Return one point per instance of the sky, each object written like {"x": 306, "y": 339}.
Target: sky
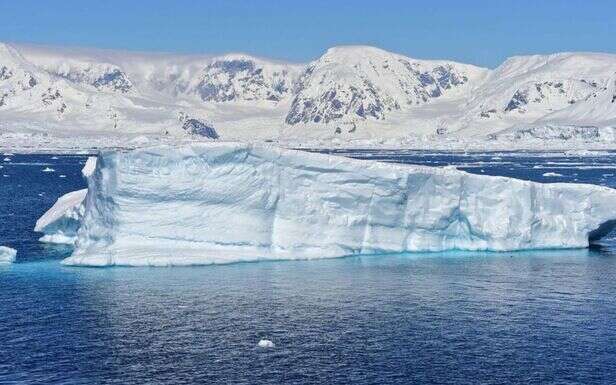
{"x": 477, "y": 32}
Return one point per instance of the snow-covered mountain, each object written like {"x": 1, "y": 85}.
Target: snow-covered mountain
{"x": 353, "y": 83}
{"x": 349, "y": 93}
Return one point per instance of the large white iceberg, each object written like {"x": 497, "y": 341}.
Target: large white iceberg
{"x": 7, "y": 255}
{"x": 229, "y": 202}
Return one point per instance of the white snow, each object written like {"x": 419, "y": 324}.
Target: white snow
{"x": 265, "y": 344}
{"x": 352, "y": 96}
{"x": 7, "y": 255}
{"x": 230, "y": 202}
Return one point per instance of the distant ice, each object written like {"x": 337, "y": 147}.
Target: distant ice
{"x": 7, "y": 255}
{"x": 554, "y": 174}
{"x": 48, "y": 169}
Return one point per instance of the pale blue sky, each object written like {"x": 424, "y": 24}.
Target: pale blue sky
{"x": 478, "y": 32}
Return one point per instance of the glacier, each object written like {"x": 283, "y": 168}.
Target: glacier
{"x": 214, "y": 203}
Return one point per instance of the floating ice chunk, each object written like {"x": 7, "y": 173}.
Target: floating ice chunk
{"x": 48, "y": 169}
{"x": 554, "y": 174}
{"x": 228, "y": 202}
{"x": 61, "y": 222}
{"x": 7, "y": 159}
{"x": 89, "y": 167}
{"x": 7, "y": 255}
{"x": 266, "y": 344}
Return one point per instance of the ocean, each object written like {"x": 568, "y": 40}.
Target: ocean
{"x": 544, "y": 317}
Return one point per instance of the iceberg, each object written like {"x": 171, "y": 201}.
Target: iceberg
{"x": 212, "y": 203}
{"x": 7, "y": 255}
{"x": 61, "y": 222}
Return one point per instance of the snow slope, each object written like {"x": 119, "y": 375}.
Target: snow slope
{"x": 223, "y": 202}
{"x": 349, "y": 94}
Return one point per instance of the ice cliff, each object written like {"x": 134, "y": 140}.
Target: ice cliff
{"x": 226, "y": 202}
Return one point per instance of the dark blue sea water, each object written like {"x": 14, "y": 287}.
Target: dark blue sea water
{"x": 546, "y": 317}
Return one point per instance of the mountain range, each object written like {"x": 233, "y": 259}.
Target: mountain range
{"x": 350, "y": 92}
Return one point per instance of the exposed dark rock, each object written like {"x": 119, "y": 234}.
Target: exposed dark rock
{"x": 115, "y": 80}
{"x": 197, "y": 127}
{"x": 240, "y": 79}
{"x": 5, "y": 73}
{"x": 518, "y": 100}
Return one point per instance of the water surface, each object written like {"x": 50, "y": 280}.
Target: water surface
{"x": 450, "y": 318}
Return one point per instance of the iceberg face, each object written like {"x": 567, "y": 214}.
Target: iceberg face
{"x": 225, "y": 202}
{"x": 7, "y": 255}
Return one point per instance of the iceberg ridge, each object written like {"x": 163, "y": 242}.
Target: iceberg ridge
{"x": 229, "y": 202}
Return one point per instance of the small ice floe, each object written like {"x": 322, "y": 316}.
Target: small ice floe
{"x": 62, "y": 176}
{"x": 266, "y": 344}
{"x": 48, "y": 169}
{"x": 552, "y": 174}
{"x": 54, "y": 157}
{"x": 7, "y": 159}
{"x": 7, "y": 255}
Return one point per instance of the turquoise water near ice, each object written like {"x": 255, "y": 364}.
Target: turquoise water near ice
{"x": 448, "y": 318}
